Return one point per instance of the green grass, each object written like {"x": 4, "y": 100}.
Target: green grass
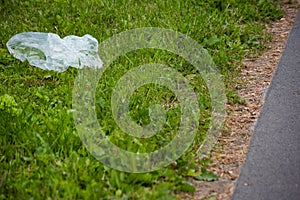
{"x": 41, "y": 154}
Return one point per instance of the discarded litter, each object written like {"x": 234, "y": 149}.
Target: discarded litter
{"x": 49, "y": 52}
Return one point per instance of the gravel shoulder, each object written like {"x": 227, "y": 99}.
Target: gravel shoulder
{"x": 271, "y": 170}
{"x": 230, "y": 152}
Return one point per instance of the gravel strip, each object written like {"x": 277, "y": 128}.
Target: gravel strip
{"x": 230, "y": 152}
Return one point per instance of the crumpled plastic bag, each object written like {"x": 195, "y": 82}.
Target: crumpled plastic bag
{"x": 49, "y": 52}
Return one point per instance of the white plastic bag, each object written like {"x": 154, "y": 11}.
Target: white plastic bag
{"x": 49, "y": 51}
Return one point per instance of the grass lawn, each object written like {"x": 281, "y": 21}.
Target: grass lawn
{"x": 41, "y": 154}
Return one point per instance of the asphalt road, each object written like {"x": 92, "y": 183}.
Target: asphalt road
{"x": 272, "y": 167}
